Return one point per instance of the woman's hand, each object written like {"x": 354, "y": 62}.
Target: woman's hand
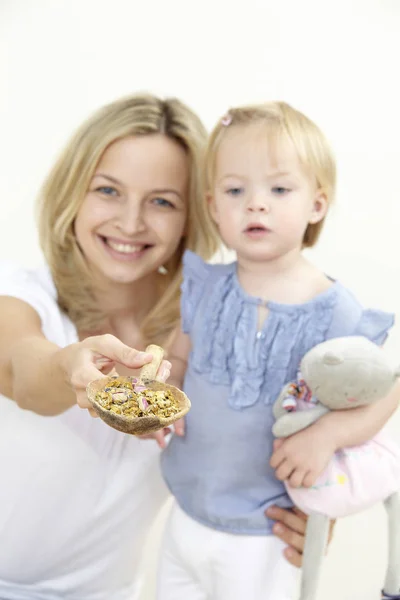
{"x": 161, "y": 434}
{"x": 290, "y": 527}
{"x": 95, "y": 357}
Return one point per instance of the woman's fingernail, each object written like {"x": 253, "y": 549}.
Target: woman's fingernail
{"x": 164, "y": 373}
{"x": 144, "y": 355}
{"x": 270, "y": 511}
{"x": 278, "y": 528}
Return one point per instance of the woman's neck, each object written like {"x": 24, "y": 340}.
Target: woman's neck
{"x": 125, "y": 307}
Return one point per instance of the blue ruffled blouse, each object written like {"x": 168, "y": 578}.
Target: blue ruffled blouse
{"x": 219, "y": 472}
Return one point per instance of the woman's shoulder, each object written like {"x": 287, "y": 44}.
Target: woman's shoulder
{"x": 26, "y": 281}
{"x": 35, "y": 286}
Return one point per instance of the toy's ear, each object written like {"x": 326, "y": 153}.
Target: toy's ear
{"x": 332, "y": 358}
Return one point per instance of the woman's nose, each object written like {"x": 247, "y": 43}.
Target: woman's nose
{"x": 131, "y": 219}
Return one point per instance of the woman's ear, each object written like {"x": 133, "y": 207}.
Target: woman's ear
{"x": 320, "y": 207}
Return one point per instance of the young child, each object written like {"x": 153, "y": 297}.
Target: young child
{"x": 245, "y": 328}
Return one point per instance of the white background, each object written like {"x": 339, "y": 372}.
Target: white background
{"x": 337, "y": 60}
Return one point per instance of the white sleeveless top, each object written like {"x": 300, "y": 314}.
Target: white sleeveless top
{"x": 77, "y": 498}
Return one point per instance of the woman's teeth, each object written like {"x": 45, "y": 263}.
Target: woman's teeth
{"x": 125, "y": 248}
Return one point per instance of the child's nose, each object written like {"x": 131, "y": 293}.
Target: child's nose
{"x": 258, "y": 203}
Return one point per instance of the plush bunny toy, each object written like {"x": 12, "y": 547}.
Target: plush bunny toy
{"x": 343, "y": 373}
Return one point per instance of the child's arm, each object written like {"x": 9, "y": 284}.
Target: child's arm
{"x": 302, "y": 457}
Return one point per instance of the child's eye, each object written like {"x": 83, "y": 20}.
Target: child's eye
{"x": 235, "y": 191}
{"x": 163, "y": 203}
{"x": 280, "y": 191}
{"x": 107, "y": 190}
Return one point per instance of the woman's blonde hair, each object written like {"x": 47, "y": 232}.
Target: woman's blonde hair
{"x": 64, "y": 190}
{"x": 282, "y": 121}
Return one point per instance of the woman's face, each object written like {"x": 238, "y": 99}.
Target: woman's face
{"x": 134, "y": 213}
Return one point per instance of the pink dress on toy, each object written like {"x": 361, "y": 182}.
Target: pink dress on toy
{"x": 356, "y": 478}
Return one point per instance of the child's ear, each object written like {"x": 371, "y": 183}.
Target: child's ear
{"x": 320, "y": 207}
{"x": 213, "y": 209}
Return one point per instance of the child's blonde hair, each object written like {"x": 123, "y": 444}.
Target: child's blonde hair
{"x": 64, "y": 190}
{"x": 282, "y": 121}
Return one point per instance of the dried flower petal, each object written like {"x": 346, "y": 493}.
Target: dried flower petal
{"x": 144, "y": 405}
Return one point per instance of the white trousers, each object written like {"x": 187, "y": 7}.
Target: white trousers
{"x": 200, "y": 563}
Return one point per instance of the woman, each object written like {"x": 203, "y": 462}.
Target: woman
{"x": 118, "y": 209}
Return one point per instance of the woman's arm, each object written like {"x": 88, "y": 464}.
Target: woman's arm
{"x": 29, "y": 370}
{"x": 41, "y": 377}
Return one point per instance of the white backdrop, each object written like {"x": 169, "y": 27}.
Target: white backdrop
{"x": 336, "y": 60}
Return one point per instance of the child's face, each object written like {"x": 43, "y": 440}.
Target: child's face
{"x": 134, "y": 213}
{"x": 262, "y": 200}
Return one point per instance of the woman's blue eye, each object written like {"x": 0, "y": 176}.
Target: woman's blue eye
{"x": 234, "y": 191}
{"x": 107, "y": 190}
{"x": 163, "y": 202}
{"x": 280, "y": 190}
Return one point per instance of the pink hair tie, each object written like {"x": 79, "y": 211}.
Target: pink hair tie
{"x": 226, "y": 120}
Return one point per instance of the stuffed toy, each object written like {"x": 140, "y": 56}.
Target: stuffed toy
{"x": 343, "y": 374}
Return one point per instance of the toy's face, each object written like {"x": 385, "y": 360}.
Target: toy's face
{"x": 347, "y": 372}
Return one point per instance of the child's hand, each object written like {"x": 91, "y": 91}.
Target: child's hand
{"x": 159, "y": 436}
{"x": 301, "y": 458}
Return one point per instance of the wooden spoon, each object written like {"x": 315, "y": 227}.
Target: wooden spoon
{"x": 146, "y": 423}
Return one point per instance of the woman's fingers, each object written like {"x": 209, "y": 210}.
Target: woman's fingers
{"x": 290, "y": 527}
{"x": 293, "y": 519}
{"x": 159, "y": 436}
{"x": 331, "y": 530}
{"x": 112, "y": 348}
{"x": 294, "y": 557}
{"x": 179, "y": 427}
{"x": 164, "y": 371}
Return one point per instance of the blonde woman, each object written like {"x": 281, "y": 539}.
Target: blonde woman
{"x": 117, "y": 211}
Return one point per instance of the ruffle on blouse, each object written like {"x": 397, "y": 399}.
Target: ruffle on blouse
{"x": 375, "y": 325}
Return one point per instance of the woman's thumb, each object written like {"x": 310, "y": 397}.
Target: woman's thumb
{"x": 112, "y": 348}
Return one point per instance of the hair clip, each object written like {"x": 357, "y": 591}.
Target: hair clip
{"x": 226, "y": 119}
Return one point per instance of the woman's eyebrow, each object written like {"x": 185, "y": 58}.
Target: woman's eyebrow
{"x": 166, "y": 191}
{"x": 113, "y": 179}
